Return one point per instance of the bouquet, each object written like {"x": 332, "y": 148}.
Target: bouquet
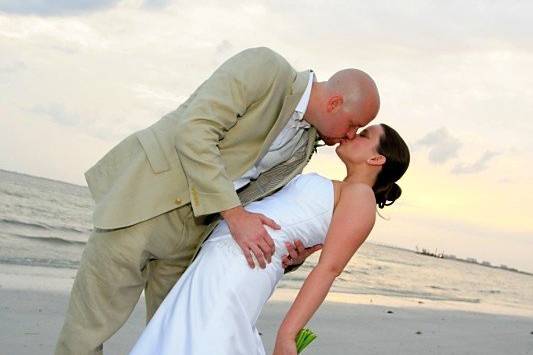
{"x": 304, "y": 338}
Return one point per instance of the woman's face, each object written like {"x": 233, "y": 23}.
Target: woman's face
{"x": 362, "y": 147}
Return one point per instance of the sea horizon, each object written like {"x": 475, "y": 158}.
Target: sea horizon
{"x": 509, "y": 268}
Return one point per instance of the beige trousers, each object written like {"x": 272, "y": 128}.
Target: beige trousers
{"x": 116, "y": 266}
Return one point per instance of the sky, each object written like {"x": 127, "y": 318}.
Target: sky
{"x": 455, "y": 79}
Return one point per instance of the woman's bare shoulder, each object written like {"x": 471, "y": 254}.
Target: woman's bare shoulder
{"x": 359, "y": 191}
{"x": 358, "y": 199}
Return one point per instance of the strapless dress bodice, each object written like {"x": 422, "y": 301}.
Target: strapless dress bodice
{"x": 303, "y": 209}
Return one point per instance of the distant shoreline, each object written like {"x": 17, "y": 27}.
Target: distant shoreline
{"x": 426, "y": 252}
{"x": 453, "y": 257}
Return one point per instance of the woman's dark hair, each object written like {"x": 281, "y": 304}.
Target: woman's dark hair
{"x": 396, "y": 152}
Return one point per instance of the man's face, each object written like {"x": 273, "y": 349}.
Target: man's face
{"x": 337, "y": 125}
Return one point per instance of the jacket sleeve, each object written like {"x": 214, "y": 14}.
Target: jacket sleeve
{"x": 213, "y": 109}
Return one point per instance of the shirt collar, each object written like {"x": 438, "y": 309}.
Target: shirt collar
{"x": 304, "y": 101}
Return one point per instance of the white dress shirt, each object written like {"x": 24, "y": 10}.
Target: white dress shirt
{"x": 285, "y": 143}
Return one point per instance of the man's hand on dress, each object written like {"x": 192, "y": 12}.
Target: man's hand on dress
{"x": 248, "y": 231}
{"x": 297, "y": 253}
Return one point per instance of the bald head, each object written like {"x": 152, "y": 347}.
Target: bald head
{"x": 340, "y": 106}
{"x": 359, "y": 91}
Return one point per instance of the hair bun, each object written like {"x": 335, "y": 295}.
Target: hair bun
{"x": 387, "y": 196}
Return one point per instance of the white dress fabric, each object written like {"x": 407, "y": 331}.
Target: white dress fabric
{"x": 214, "y": 306}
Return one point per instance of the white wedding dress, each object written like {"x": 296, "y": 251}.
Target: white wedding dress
{"x": 213, "y": 308}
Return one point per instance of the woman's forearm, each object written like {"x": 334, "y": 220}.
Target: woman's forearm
{"x": 310, "y": 297}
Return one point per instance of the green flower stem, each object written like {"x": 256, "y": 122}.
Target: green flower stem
{"x": 303, "y": 339}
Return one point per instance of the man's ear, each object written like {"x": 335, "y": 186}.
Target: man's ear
{"x": 334, "y": 103}
{"x": 377, "y": 160}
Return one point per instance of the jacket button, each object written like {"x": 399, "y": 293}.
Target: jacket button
{"x": 178, "y": 201}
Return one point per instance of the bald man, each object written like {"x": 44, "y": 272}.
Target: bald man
{"x": 243, "y": 134}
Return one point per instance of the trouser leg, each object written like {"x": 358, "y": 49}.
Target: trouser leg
{"x": 163, "y": 273}
{"x": 106, "y": 289}
{"x": 113, "y": 273}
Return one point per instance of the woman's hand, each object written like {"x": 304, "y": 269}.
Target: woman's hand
{"x": 297, "y": 253}
{"x": 285, "y": 345}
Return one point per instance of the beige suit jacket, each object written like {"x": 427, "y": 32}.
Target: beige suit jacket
{"x": 193, "y": 154}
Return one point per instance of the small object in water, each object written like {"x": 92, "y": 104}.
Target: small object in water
{"x": 419, "y": 332}
{"x": 390, "y": 312}
{"x": 420, "y": 302}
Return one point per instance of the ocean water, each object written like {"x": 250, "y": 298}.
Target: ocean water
{"x": 46, "y": 223}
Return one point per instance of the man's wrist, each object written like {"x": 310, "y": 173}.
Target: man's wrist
{"x": 229, "y": 214}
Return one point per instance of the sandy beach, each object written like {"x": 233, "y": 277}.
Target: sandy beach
{"x": 33, "y": 302}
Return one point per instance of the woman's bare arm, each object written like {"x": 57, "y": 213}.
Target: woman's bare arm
{"x": 351, "y": 223}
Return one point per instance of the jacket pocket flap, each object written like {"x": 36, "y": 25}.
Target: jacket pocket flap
{"x": 153, "y": 150}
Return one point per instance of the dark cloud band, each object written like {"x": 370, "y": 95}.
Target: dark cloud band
{"x": 54, "y": 7}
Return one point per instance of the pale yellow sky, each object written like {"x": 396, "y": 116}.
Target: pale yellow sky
{"x": 455, "y": 79}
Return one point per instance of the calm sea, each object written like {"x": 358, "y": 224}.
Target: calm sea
{"x": 46, "y": 223}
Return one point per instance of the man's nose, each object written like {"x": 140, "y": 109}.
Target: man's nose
{"x": 351, "y": 134}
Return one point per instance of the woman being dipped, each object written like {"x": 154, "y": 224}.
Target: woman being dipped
{"x": 375, "y": 159}
{"x": 214, "y": 307}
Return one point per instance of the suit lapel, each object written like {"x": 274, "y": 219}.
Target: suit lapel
{"x": 289, "y": 105}
{"x": 255, "y": 189}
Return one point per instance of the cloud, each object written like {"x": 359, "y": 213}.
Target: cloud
{"x": 505, "y": 181}
{"x": 101, "y": 129}
{"x": 155, "y": 94}
{"x": 442, "y": 145}
{"x": 156, "y": 4}
{"x": 223, "y": 51}
{"x": 12, "y": 67}
{"x": 57, "y": 113}
{"x": 477, "y": 166}
{"x": 68, "y": 7}
{"x": 54, "y": 7}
